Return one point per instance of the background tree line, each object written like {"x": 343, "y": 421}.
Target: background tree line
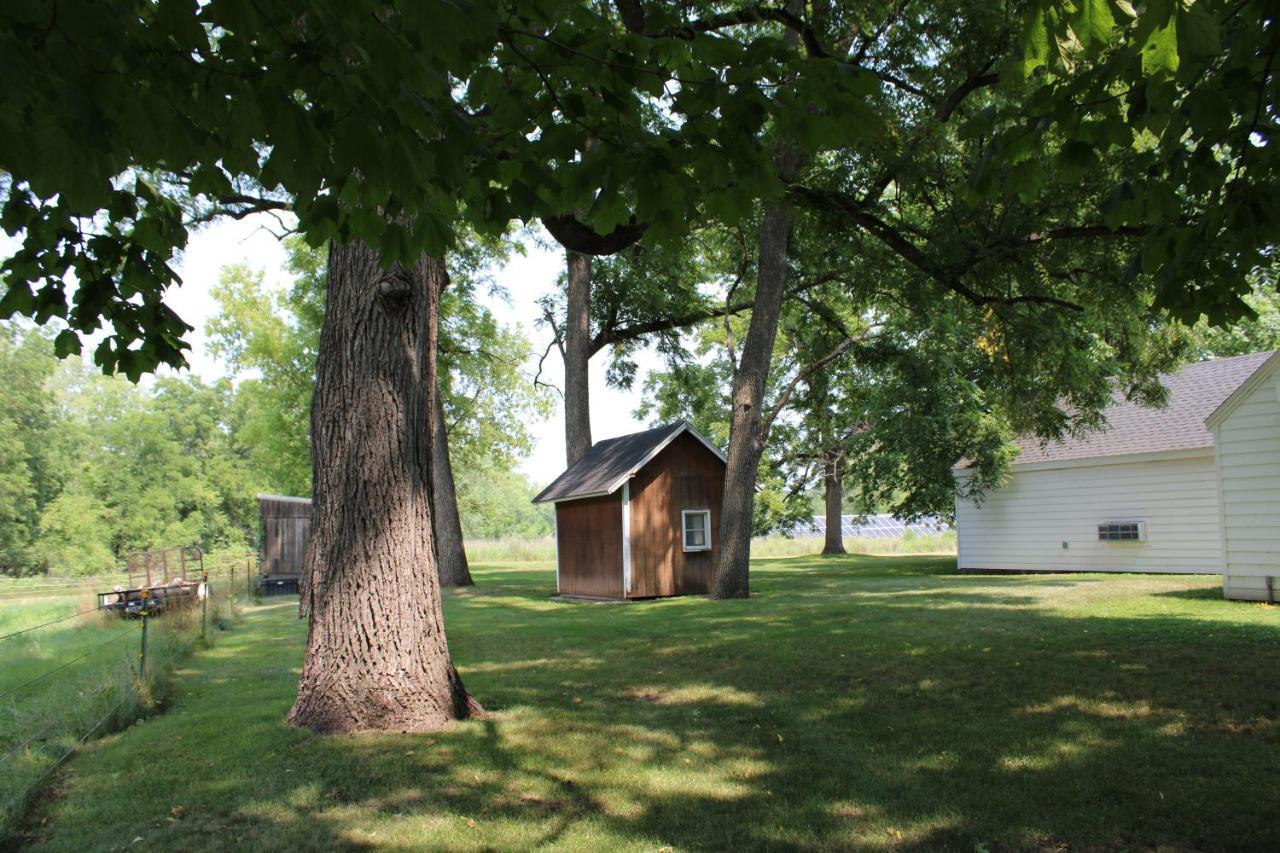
{"x": 94, "y": 466}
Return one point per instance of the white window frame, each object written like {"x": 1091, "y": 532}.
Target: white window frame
{"x": 684, "y": 529}
{"x": 1140, "y": 523}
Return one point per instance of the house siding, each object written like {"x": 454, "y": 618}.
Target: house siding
{"x": 1248, "y": 442}
{"x": 1021, "y": 527}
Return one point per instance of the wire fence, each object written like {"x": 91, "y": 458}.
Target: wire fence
{"x": 73, "y": 675}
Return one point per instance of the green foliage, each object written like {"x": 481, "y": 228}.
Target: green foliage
{"x": 385, "y": 122}
{"x": 1252, "y": 334}
{"x": 271, "y": 343}
{"x": 494, "y": 503}
{"x": 76, "y": 536}
{"x": 27, "y": 418}
{"x": 1186, "y": 92}
{"x": 94, "y": 467}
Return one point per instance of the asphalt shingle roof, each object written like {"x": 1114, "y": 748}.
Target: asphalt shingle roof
{"x": 1195, "y": 392}
{"x": 606, "y": 463}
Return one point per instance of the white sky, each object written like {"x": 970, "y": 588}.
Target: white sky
{"x": 524, "y": 278}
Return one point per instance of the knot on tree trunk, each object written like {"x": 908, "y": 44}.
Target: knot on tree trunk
{"x": 396, "y": 284}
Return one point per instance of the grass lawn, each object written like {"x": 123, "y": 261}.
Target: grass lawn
{"x": 861, "y": 702}
{"x": 69, "y": 671}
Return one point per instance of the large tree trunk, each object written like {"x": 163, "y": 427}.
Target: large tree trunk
{"x": 377, "y": 658}
{"x": 577, "y": 355}
{"x": 746, "y": 433}
{"x": 834, "y": 486}
{"x": 451, "y": 552}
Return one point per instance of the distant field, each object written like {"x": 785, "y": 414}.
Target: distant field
{"x": 853, "y": 703}
{"x": 534, "y": 550}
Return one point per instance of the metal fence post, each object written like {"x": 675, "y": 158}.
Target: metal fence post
{"x": 142, "y": 663}
{"x": 204, "y": 605}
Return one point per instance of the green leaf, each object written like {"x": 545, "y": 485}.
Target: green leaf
{"x": 1198, "y": 37}
{"x": 66, "y": 343}
{"x": 1093, "y": 24}
{"x": 1160, "y": 45}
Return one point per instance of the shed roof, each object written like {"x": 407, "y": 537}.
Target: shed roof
{"x": 1195, "y": 392}
{"x": 609, "y": 463}
{"x": 283, "y": 506}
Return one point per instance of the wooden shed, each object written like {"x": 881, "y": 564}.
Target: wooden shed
{"x": 639, "y": 516}
{"x": 286, "y": 525}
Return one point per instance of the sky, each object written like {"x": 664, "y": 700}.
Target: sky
{"x": 525, "y": 278}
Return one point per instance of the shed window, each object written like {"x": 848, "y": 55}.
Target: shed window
{"x": 697, "y": 529}
{"x": 1122, "y": 531}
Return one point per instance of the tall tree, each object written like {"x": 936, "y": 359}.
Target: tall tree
{"x": 372, "y": 531}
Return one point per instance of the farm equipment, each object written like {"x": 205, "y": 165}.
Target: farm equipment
{"x": 153, "y": 599}
{"x": 157, "y": 582}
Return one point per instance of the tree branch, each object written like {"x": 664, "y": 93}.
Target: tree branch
{"x": 576, "y": 237}
{"x": 787, "y": 393}
{"x": 854, "y": 211}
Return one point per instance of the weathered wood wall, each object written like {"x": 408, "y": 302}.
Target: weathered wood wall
{"x": 685, "y": 475}
{"x": 286, "y": 524}
{"x": 589, "y": 543}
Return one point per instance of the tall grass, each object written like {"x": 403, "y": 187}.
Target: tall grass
{"x": 73, "y": 673}
{"x": 766, "y": 547}
{"x": 512, "y": 550}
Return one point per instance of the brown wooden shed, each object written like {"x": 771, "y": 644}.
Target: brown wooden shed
{"x": 639, "y": 516}
{"x": 286, "y": 525}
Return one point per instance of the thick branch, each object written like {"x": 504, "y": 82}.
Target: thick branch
{"x": 576, "y": 237}
{"x": 605, "y": 337}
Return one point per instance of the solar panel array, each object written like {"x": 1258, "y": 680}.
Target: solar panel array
{"x": 874, "y": 526}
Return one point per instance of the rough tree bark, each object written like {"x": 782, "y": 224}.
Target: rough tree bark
{"x": 451, "y": 551}
{"x": 833, "y": 481}
{"x": 577, "y": 356}
{"x": 746, "y": 434}
{"x": 377, "y": 657}
{"x": 746, "y": 424}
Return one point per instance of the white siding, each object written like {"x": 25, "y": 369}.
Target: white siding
{"x": 1022, "y": 526}
{"x": 1248, "y": 442}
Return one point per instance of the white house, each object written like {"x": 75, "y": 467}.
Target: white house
{"x": 1246, "y": 434}
{"x": 1143, "y": 494}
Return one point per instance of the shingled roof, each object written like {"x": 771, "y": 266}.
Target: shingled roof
{"x": 609, "y": 463}
{"x": 1195, "y": 392}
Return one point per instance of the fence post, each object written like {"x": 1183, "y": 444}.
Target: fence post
{"x": 142, "y": 663}
{"x": 248, "y": 576}
{"x": 231, "y": 584}
{"x": 204, "y": 604}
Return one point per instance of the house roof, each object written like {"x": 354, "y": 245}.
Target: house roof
{"x": 1267, "y": 368}
{"x": 610, "y": 463}
{"x": 1195, "y": 392}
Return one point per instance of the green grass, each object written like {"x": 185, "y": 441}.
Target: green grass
{"x": 71, "y": 671}
{"x": 854, "y": 703}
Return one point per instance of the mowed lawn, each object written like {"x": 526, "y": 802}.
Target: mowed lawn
{"x": 862, "y": 702}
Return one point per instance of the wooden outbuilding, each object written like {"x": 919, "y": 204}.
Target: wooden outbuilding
{"x": 286, "y": 525}
{"x": 638, "y": 516}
